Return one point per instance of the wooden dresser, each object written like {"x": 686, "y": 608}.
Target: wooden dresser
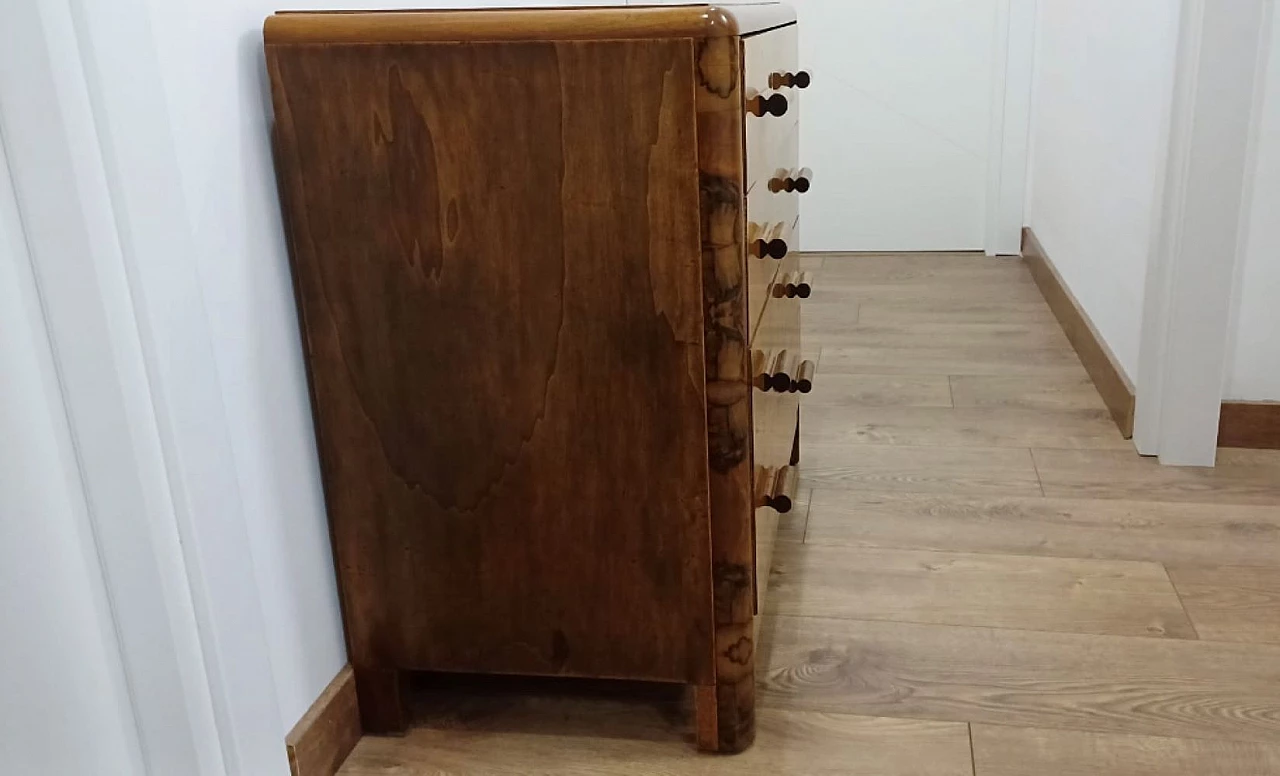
{"x": 552, "y": 322}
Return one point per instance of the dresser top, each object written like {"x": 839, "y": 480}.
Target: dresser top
{"x": 696, "y": 20}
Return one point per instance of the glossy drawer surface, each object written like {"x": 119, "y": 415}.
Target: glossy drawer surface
{"x": 772, "y": 150}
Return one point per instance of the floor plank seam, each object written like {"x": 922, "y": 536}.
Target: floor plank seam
{"x": 1191, "y": 620}
{"x": 1000, "y": 554}
{"x": 998, "y": 628}
{"x": 1034, "y": 465}
{"x": 973, "y": 754}
{"x": 1260, "y": 647}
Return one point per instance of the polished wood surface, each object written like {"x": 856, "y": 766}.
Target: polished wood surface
{"x": 727, "y": 341}
{"x": 1037, "y": 699}
{"x": 1253, "y": 425}
{"x": 320, "y": 741}
{"x": 485, "y": 555}
{"x": 586, "y": 23}
{"x": 1109, "y": 377}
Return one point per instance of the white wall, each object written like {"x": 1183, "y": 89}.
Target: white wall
{"x": 220, "y": 137}
{"x": 897, "y": 123}
{"x": 1101, "y": 99}
{"x": 64, "y": 705}
{"x": 1255, "y": 375}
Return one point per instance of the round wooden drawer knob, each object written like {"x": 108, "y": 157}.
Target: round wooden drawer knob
{"x": 773, "y": 105}
{"x": 798, "y": 181}
{"x": 799, "y": 79}
{"x": 773, "y": 249}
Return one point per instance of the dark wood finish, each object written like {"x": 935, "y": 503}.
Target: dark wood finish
{"x": 402, "y": 251}
{"x": 327, "y": 733}
{"x": 559, "y": 24}
{"x": 803, "y": 286}
{"x": 1098, "y": 360}
{"x": 786, "y": 483}
{"x": 718, "y": 92}
{"x": 764, "y": 241}
{"x": 552, "y": 203}
{"x": 768, "y": 105}
{"x": 804, "y": 376}
{"x": 382, "y": 693}
{"x": 799, "y": 80}
{"x": 1254, "y": 425}
{"x": 798, "y": 181}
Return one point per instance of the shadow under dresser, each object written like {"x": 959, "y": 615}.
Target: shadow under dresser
{"x": 551, "y": 318}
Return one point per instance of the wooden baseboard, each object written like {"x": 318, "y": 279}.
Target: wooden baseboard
{"x": 1250, "y": 424}
{"x": 1098, "y": 360}
{"x": 329, "y": 730}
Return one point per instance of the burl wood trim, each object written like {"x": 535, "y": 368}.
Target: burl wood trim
{"x": 1098, "y": 360}
{"x": 327, "y": 733}
{"x": 500, "y": 25}
{"x": 1253, "y": 425}
{"x": 728, "y": 375}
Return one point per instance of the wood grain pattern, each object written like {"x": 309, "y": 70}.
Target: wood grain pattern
{"x": 866, "y": 390}
{"x": 1109, "y": 377}
{"x": 1009, "y": 751}
{"x": 973, "y": 306}
{"x": 726, "y": 338}
{"x": 1058, "y": 527}
{"x": 1242, "y": 477}
{"x": 1253, "y": 425}
{"x": 320, "y": 741}
{"x": 970, "y": 471}
{"x": 944, "y": 359}
{"x": 1119, "y": 598}
{"x": 604, "y": 735}
{"x": 405, "y": 196}
{"x": 1023, "y": 392}
{"x": 1160, "y": 687}
{"x": 563, "y": 24}
{"x": 1231, "y": 603}
{"x": 967, "y": 427}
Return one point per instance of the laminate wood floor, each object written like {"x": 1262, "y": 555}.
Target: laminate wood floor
{"x": 980, "y": 578}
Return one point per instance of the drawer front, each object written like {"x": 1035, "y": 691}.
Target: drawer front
{"x": 773, "y": 145}
{"x": 772, "y": 151}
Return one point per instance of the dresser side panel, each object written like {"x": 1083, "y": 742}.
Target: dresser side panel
{"x": 496, "y": 247}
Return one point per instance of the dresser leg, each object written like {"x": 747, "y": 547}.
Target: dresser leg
{"x": 735, "y": 717}
{"x": 383, "y": 700}
{"x": 705, "y": 717}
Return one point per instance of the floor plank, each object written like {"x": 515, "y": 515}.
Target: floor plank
{"x": 940, "y": 358}
{"x": 1229, "y": 603}
{"x": 1242, "y": 477}
{"x": 966, "y": 427}
{"x": 1162, "y": 687}
{"x": 1123, "y": 598}
{"x": 1023, "y": 392}
{"x": 1009, "y": 751}
{"x": 1162, "y": 532}
{"x": 824, "y": 311}
{"x": 969, "y": 309}
{"x": 563, "y": 736}
{"x": 860, "y": 391}
{"x": 972, "y": 471}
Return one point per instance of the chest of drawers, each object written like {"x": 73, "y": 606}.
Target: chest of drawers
{"x": 552, "y": 325}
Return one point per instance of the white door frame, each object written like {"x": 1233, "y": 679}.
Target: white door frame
{"x": 81, "y": 103}
{"x": 1201, "y": 228}
{"x": 1007, "y": 150}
